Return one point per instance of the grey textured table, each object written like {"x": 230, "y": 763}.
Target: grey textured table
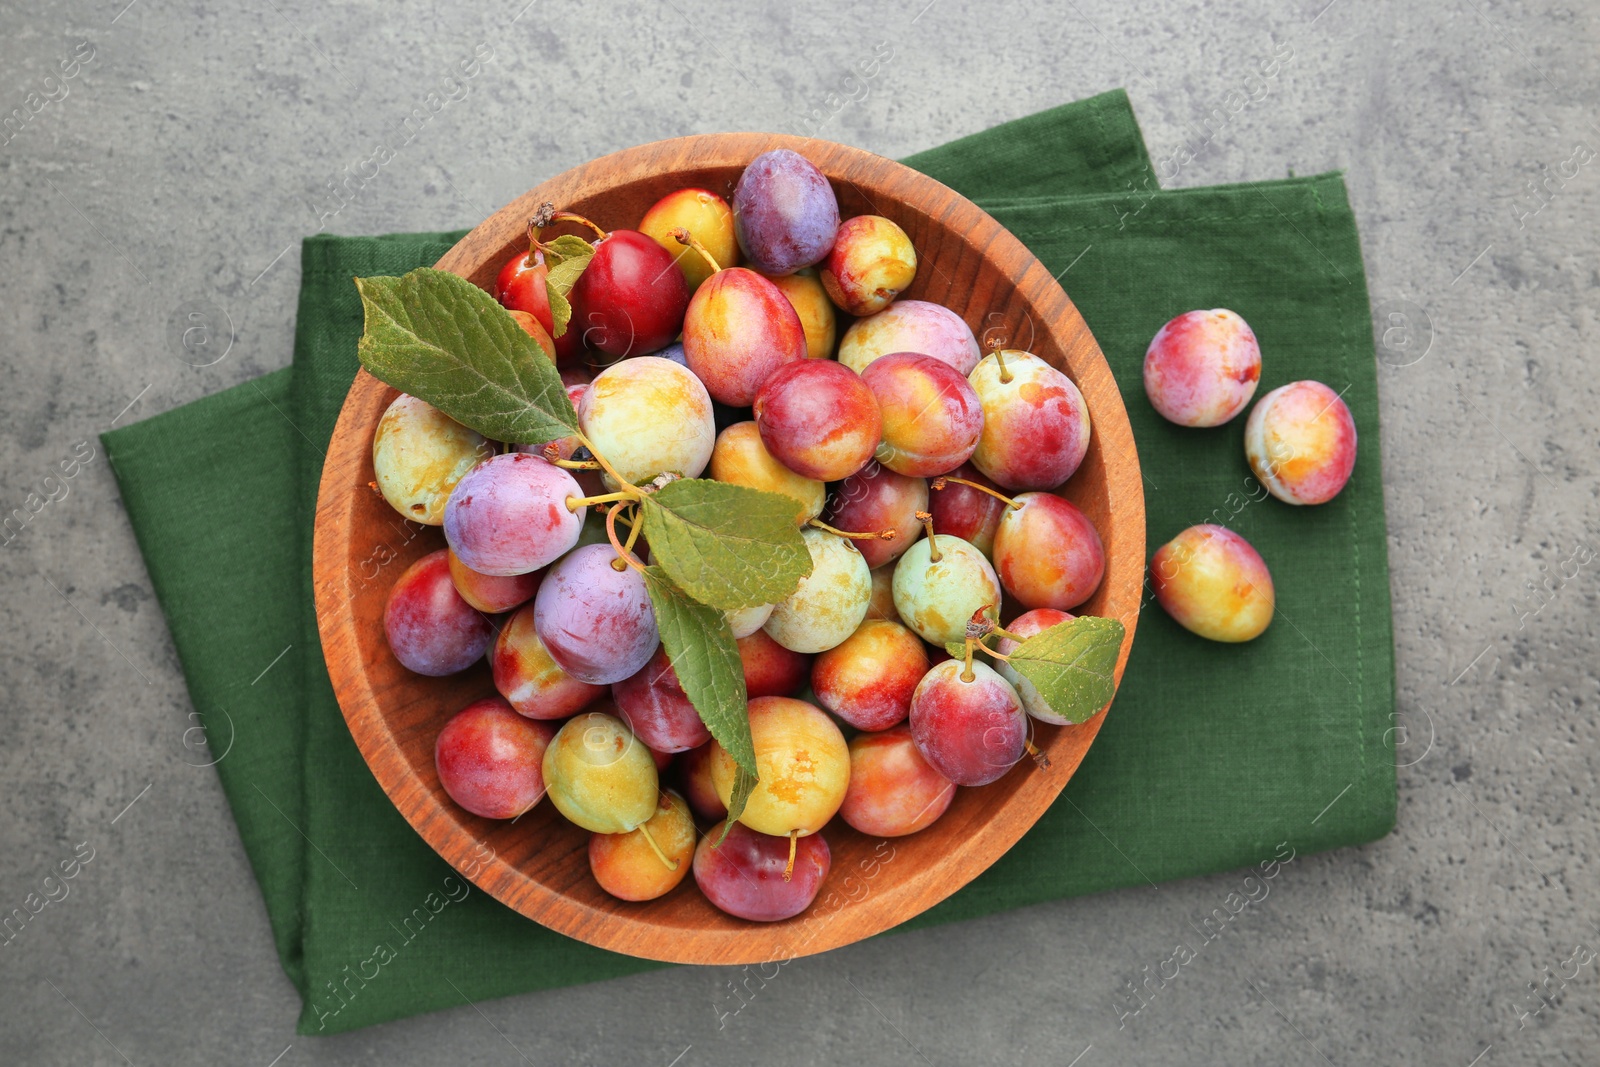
{"x": 174, "y": 173}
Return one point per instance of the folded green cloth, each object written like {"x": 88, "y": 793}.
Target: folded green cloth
{"x": 1212, "y": 756}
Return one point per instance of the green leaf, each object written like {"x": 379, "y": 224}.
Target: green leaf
{"x": 560, "y": 311}
{"x": 725, "y": 545}
{"x": 1072, "y": 665}
{"x": 957, "y": 649}
{"x": 440, "y": 338}
{"x": 567, "y": 246}
{"x": 705, "y": 657}
{"x": 558, "y": 283}
{"x": 564, "y": 275}
{"x": 744, "y": 783}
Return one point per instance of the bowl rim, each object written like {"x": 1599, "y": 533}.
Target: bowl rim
{"x": 477, "y": 256}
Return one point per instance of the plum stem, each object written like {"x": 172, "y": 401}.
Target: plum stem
{"x": 942, "y": 482}
{"x": 552, "y": 456}
{"x": 536, "y": 222}
{"x": 1003, "y": 632}
{"x": 1039, "y": 758}
{"x": 624, "y": 557}
{"x": 576, "y": 502}
{"x": 1005, "y": 374}
{"x": 684, "y": 237}
{"x": 967, "y": 674}
{"x": 672, "y": 865}
{"x": 794, "y": 845}
{"x": 980, "y": 625}
{"x": 926, "y": 518}
{"x": 572, "y": 216}
{"x": 634, "y": 526}
{"x": 870, "y": 535}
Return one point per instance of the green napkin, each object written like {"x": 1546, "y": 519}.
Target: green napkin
{"x": 1213, "y": 757}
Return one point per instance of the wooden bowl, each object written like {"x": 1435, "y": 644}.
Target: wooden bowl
{"x": 970, "y": 264}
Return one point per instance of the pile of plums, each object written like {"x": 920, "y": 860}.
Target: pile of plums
{"x": 758, "y": 343}
{"x": 1200, "y": 371}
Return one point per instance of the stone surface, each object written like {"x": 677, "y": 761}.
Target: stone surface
{"x": 191, "y": 154}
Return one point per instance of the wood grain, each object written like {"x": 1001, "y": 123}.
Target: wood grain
{"x": 968, "y": 263}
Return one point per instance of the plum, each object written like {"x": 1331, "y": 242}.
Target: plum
{"x": 1213, "y": 583}
{"x": 968, "y": 513}
{"x": 493, "y": 593}
{"x": 430, "y": 629}
{"x": 1202, "y": 368}
{"x": 651, "y": 859}
{"x": 932, "y": 417}
{"x": 770, "y": 670}
{"x": 533, "y": 683}
{"x": 596, "y": 621}
{"x": 803, "y": 764}
{"x": 521, "y": 288}
{"x": 876, "y": 499}
{"x": 868, "y": 679}
{"x": 893, "y": 790}
{"x": 653, "y": 704}
{"x": 818, "y": 418}
{"x": 1047, "y": 553}
{"x": 750, "y": 876}
{"x": 911, "y": 326}
{"x": 1301, "y": 442}
{"x": 1026, "y": 625}
{"x": 882, "y": 604}
{"x": 599, "y": 776}
{"x": 694, "y": 773}
{"x": 708, "y": 219}
{"x": 739, "y": 329}
{"x": 419, "y": 454}
{"x": 1035, "y": 422}
{"x": 567, "y": 446}
{"x": 630, "y": 299}
{"x": 745, "y": 621}
{"x": 784, "y": 212}
{"x": 649, "y": 416}
{"x": 535, "y": 329}
{"x": 870, "y": 264}
{"x": 510, "y": 515}
{"x": 968, "y": 723}
{"x": 675, "y": 353}
{"x": 939, "y": 583}
{"x": 490, "y": 760}
{"x": 828, "y": 605}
